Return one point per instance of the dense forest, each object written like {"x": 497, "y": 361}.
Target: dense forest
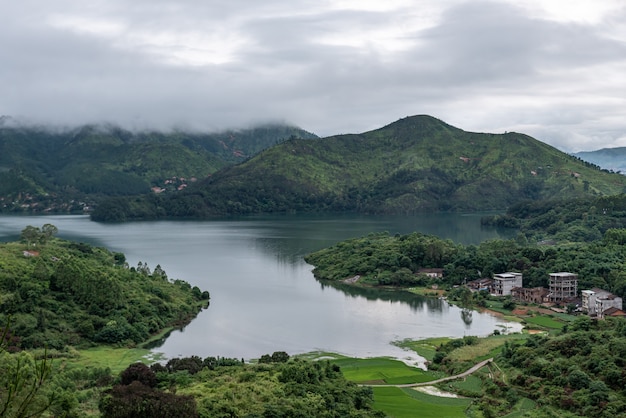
{"x": 413, "y": 165}
{"x": 43, "y": 169}
{"x": 583, "y": 219}
{"x": 57, "y": 293}
{"x": 583, "y": 236}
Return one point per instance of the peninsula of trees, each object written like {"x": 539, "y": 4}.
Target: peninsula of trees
{"x": 57, "y": 293}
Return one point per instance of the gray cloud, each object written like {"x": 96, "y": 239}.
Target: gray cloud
{"x": 484, "y": 66}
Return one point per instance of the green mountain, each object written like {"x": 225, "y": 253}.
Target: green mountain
{"x": 608, "y": 158}
{"x": 415, "y": 164}
{"x": 46, "y": 170}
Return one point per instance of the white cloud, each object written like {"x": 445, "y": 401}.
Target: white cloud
{"x": 552, "y": 69}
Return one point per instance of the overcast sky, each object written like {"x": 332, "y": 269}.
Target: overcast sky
{"x": 554, "y": 69}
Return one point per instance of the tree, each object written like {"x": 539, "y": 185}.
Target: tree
{"x": 23, "y": 383}
{"x": 47, "y": 232}
{"x": 30, "y": 234}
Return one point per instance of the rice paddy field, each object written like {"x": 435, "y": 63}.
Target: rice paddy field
{"x": 410, "y": 403}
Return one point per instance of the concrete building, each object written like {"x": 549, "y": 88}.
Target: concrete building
{"x": 529, "y": 295}
{"x": 588, "y": 300}
{"x": 503, "y": 283}
{"x": 604, "y": 303}
{"x": 563, "y": 286}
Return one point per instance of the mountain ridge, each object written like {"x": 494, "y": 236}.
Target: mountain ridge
{"x": 412, "y": 165}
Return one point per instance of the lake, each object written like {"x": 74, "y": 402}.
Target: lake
{"x": 264, "y": 297}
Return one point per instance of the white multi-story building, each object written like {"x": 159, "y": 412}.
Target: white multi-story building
{"x": 605, "y": 302}
{"x": 588, "y": 300}
{"x": 503, "y": 283}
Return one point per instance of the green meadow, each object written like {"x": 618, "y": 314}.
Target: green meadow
{"x": 409, "y": 403}
{"x": 383, "y": 371}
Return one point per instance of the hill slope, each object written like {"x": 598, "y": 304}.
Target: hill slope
{"x": 42, "y": 169}
{"x": 607, "y": 158}
{"x": 415, "y": 164}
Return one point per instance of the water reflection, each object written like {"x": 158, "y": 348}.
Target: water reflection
{"x": 264, "y": 297}
{"x": 415, "y": 302}
{"x": 466, "y": 316}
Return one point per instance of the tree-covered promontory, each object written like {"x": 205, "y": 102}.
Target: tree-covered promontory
{"x": 55, "y": 293}
{"x": 383, "y": 259}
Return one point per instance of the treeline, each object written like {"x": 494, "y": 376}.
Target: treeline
{"x": 61, "y": 293}
{"x": 382, "y": 259}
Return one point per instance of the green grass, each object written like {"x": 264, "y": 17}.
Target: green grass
{"x": 382, "y": 371}
{"x": 521, "y": 408}
{"x": 484, "y": 348}
{"x": 545, "y": 321}
{"x": 470, "y": 386}
{"x": 117, "y": 359}
{"x": 425, "y": 348}
{"x": 401, "y": 403}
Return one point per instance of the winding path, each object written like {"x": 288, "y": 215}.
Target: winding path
{"x": 443, "y": 379}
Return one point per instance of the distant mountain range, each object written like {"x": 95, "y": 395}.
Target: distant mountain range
{"x": 608, "y": 158}
{"x": 52, "y": 170}
{"x": 413, "y": 165}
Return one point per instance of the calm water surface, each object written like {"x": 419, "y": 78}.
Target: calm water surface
{"x": 264, "y": 297}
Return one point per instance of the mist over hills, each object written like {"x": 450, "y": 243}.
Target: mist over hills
{"x": 608, "y": 158}
{"x": 413, "y": 165}
{"x": 51, "y": 169}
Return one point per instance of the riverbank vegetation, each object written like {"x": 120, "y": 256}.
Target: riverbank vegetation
{"x": 58, "y": 297}
{"x": 60, "y": 293}
{"x": 385, "y": 260}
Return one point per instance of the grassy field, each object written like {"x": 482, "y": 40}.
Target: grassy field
{"x": 545, "y": 322}
{"x": 484, "y": 348}
{"x": 425, "y": 348}
{"x": 117, "y": 359}
{"x": 383, "y": 371}
{"x": 409, "y": 403}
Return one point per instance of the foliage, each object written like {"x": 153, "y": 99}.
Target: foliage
{"x": 579, "y": 371}
{"x": 230, "y": 388}
{"x": 70, "y": 170}
{"x": 24, "y": 382}
{"x": 413, "y": 165}
{"x": 70, "y": 293}
{"x": 137, "y": 400}
{"x": 577, "y": 220}
{"x": 382, "y": 259}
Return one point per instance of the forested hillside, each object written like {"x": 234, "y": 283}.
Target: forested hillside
{"x": 55, "y": 293}
{"x": 412, "y": 165}
{"x": 43, "y": 169}
{"x": 583, "y": 219}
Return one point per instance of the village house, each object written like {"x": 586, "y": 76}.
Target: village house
{"x": 588, "y": 300}
{"x": 529, "y": 295}
{"x": 563, "y": 287}
{"x": 433, "y": 273}
{"x": 480, "y": 285}
{"x": 603, "y": 304}
{"x": 614, "y": 312}
{"x": 503, "y": 283}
